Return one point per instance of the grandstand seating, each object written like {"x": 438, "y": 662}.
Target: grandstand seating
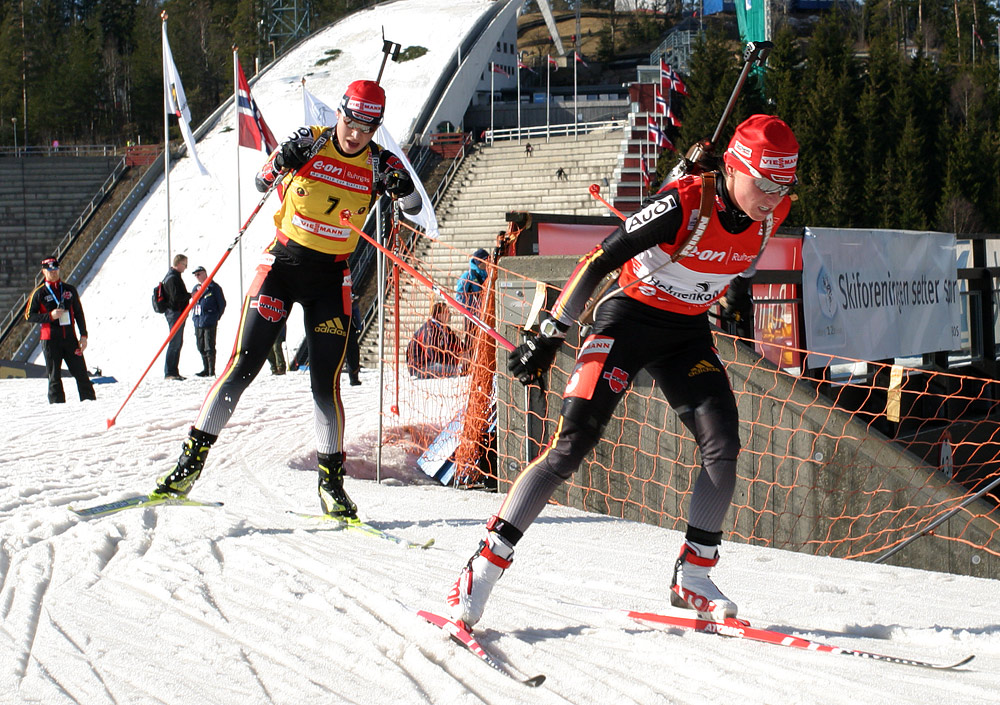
{"x": 40, "y": 198}
{"x": 493, "y": 181}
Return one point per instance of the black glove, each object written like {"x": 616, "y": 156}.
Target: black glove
{"x": 292, "y": 156}
{"x": 397, "y": 183}
{"x": 532, "y": 358}
{"x": 736, "y": 309}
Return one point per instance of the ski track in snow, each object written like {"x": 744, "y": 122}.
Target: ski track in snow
{"x": 247, "y": 604}
{"x": 250, "y": 604}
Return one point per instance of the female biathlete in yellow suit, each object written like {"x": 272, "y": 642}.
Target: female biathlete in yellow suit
{"x": 323, "y": 171}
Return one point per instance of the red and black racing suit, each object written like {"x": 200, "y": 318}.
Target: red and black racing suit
{"x": 659, "y": 324}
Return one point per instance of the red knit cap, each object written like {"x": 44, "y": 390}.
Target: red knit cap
{"x": 768, "y": 145}
{"x": 364, "y": 102}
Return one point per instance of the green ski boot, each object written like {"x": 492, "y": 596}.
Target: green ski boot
{"x": 332, "y": 497}
{"x": 179, "y": 481}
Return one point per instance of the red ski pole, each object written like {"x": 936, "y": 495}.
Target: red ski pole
{"x": 194, "y": 299}
{"x": 595, "y": 191}
{"x": 345, "y": 220}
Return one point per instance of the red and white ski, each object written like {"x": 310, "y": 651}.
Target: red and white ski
{"x": 463, "y": 635}
{"x": 741, "y": 629}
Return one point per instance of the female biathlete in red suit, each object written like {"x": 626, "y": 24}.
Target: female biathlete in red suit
{"x": 677, "y": 257}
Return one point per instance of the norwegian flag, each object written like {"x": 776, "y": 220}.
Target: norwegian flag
{"x": 254, "y": 132}
{"x": 552, "y": 62}
{"x": 660, "y": 105}
{"x": 672, "y": 118}
{"x": 676, "y": 84}
{"x": 665, "y": 74}
{"x": 498, "y": 69}
{"x": 644, "y": 170}
{"x": 580, "y": 59}
{"x": 522, "y": 65}
{"x": 976, "y": 34}
{"x": 658, "y": 137}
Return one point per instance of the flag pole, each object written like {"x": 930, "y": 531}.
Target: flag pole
{"x": 519, "y": 97}
{"x": 548, "y": 93}
{"x": 166, "y": 132}
{"x": 575, "y": 110}
{"x": 236, "y": 116}
{"x": 492, "y": 74}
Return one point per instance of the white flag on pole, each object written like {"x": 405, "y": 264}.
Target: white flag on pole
{"x": 175, "y": 102}
{"x": 319, "y": 113}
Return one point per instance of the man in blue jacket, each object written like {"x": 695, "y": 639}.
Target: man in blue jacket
{"x": 207, "y": 313}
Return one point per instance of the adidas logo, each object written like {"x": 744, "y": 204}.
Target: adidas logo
{"x": 701, "y": 368}
{"x": 333, "y": 326}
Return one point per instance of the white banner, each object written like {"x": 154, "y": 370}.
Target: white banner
{"x": 175, "y": 101}
{"x": 879, "y": 294}
{"x": 319, "y": 113}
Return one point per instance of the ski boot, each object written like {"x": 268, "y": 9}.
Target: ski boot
{"x": 692, "y": 588}
{"x": 469, "y": 594}
{"x": 332, "y": 496}
{"x": 179, "y": 481}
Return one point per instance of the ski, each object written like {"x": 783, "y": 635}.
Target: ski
{"x": 741, "y": 629}
{"x": 143, "y": 500}
{"x": 367, "y": 529}
{"x": 462, "y": 635}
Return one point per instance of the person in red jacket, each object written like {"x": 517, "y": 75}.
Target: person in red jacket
{"x": 56, "y": 305}
{"x": 678, "y": 256}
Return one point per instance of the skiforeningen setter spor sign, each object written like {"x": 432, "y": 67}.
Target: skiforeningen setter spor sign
{"x": 879, "y": 294}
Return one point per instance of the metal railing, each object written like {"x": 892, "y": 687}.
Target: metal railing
{"x": 69, "y": 150}
{"x": 456, "y": 162}
{"x": 545, "y": 131}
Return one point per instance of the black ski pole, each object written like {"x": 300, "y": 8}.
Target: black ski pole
{"x": 755, "y": 53}
{"x": 388, "y": 49}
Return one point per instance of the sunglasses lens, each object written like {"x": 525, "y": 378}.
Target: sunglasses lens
{"x": 769, "y": 187}
{"x": 366, "y": 129}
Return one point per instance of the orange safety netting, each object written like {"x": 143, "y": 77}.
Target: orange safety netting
{"x": 848, "y": 460}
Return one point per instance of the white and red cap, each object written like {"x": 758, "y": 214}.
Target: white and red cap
{"x": 364, "y": 102}
{"x": 768, "y": 145}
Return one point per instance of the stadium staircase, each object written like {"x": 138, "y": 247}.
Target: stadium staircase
{"x": 494, "y": 180}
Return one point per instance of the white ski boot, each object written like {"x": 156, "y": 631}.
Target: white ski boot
{"x": 468, "y": 596}
{"x": 692, "y": 588}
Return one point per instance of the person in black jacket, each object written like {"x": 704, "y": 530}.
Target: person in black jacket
{"x": 56, "y": 305}
{"x": 206, "y": 315}
{"x": 177, "y": 300}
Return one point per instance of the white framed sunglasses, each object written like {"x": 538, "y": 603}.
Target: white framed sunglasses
{"x": 762, "y": 182}
{"x": 359, "y": 126}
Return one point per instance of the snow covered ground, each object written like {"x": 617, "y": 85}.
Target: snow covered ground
{"x": 249, "y": 604}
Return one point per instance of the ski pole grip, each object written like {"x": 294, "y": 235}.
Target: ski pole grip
{"x": 757, "y": 52}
